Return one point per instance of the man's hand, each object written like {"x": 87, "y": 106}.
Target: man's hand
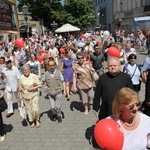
{"x": 96, "y": 114}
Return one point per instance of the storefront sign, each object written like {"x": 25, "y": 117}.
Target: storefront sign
{"x": 8, "y": 18}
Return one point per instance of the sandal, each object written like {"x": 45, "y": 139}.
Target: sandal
{"x": 38, "y": 123}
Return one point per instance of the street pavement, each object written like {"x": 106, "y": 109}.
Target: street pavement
{"x": 74, "y": 133}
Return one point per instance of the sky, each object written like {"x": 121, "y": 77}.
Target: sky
{"x": 62, "y": 1}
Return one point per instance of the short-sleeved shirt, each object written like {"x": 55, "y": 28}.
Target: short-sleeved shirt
{"x": 97, "y": 60}
{"x": 12, "y": 77}
{"x": 146, "y": 65}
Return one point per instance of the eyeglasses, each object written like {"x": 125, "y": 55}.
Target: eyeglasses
{"x": 131, "y": 107}
{"x": 80, "y": 58}
{"x": 96, "y": 48}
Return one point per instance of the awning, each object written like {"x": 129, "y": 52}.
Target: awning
{"x": 13, "y": 32}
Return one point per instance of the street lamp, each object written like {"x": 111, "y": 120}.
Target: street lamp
{"x": 25, "y": 12}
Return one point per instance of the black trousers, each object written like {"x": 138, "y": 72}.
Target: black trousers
{"x": 1, "y": 125}
{"x": 147, "y": 96}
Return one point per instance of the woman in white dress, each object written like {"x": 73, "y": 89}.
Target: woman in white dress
{"x": 29, "y": 84}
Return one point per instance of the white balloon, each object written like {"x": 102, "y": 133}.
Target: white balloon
{"x": 80, "y": 44}
{"x": 106, "y": 34}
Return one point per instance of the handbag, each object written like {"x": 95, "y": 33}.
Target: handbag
{"x": 3, "y": 104}
{"x": 94, "y": 76}
{"x": 22, "y": 111}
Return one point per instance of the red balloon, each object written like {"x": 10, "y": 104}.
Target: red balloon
{"x": 82, "y": 36}
{"x": 40, "y": 58}
{"x": 19, "y": 42}
{"x": 108, "y": 134}
{"x": 62, "y": 50}
{"x": 114, "y": 51}
{"x": 41, "y": 51}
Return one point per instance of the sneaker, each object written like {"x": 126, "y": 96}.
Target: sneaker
{"x": 59, "y": 119}
{"x": 54, "y": 118}
{"x": 2, "y": 138}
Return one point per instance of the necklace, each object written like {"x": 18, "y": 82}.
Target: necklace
{"x": 129, "y": 125}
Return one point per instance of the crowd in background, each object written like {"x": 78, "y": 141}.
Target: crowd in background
{"x": 71, "y": 64}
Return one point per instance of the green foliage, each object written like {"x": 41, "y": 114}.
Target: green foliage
{"x": 77, "y": 12}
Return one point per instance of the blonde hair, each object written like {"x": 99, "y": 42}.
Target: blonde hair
{"x": 123, "y": 97}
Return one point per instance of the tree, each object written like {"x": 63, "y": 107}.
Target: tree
{"x": 80, "y": 12}
{"x": 44, "y": 11}
{"x": 77, "y": 12}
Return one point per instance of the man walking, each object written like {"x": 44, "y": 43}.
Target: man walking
{"x": 54, "y": 79}
{"x": 10, "y": 75}
{"x": 107, "y": 87}
{"x": 98, "y": 60}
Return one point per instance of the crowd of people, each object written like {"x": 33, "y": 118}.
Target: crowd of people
{"x": 77, "y": 65}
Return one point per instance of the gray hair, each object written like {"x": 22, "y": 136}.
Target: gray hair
{"x": 25, "y": 66}
{"x": 113, "y": 58}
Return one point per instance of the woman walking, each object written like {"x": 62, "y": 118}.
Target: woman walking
{"x": 29, "y": 84}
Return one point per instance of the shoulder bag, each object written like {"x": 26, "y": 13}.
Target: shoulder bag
{"x": 3, "y": 104}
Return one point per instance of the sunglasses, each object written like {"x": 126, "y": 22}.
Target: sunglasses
{"x": 80, "y": 58}
{"x": 133, "y": 58}
{"x": 131, "y": 107}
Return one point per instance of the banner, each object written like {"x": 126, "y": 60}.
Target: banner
{"x": 8, "y": 18}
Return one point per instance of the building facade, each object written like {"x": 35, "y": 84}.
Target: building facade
{"x": 120, "y": 14}
{"x": 126, "y": 10}
{"x": 9, "y": 28}
{"x": 104, "y": 12}
{"x": 29, "y": 26}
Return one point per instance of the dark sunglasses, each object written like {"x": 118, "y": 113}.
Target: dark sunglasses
{"x": 80, "y": 57}
{"x": 131, "y": 107}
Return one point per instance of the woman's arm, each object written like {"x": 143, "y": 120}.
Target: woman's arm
{"x": 1, "y": 95}
{"x": 39, "y": 70}
{"x": 61, "y": 66}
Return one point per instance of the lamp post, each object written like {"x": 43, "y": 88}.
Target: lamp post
{"x": 25, "y": 12}
{"x": 100, "y": 15}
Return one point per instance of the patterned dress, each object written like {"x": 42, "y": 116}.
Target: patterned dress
{"x": 30, "y": 98}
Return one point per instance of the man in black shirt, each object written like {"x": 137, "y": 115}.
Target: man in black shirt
{"x": 98, "y": 60}
{"x": 107, "y": 87}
